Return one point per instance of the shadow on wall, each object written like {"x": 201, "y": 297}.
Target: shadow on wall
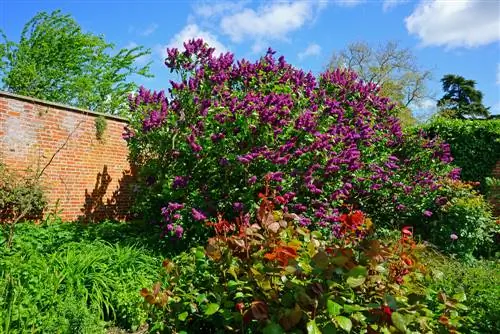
{"x": 97, "y": 207}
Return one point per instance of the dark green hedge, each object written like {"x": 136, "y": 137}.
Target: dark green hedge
{"x": 475, "y": 144}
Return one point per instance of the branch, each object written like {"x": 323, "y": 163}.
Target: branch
{"x": 58, "y": 150}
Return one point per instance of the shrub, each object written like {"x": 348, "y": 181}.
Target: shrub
{"x": 464, "y": 224}
{"x": 272, "y": 276}
{"x": 327, "y": 144}
{"x": 474, "y": 144}
{"x": 21, "y": 197}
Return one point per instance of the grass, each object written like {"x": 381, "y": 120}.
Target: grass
{"x": 71, "y": 278}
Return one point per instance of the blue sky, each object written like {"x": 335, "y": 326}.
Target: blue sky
{"x": 447, "y": 36}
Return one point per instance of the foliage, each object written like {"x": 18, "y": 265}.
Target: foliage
{"x": 394, "y": 68}
{"x": 475, "y": 145}
{"x": 479, "y": 280}
{"x": 464, "y": 224}
{"x": 437, "y": 207}
{"x": 55, "y": 60}
{"x": 65, "y": 278}
{"x": 461, "y": 98}
{"x": 271, "y": 276}
{"x": 100, "y": 127}
{"x": 229, "y": 127}
{"x": 21, "y": 197}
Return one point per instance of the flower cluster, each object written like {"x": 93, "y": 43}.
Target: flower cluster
{"x": 229, "y": 126}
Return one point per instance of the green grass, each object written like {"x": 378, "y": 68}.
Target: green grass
{"x": 70, "y": 278}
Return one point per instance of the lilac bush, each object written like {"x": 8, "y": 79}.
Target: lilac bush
{"x": 228, "y": 128}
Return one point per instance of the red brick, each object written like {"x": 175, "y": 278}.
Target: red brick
{"x": 75, "y": 168}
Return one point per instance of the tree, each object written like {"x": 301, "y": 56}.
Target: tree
{"x": 461, "y": 98}
{"x": 391, "y": 67}
{"x": 55, "y": 60}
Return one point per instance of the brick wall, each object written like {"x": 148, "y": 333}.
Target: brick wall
{"x": 88, "y": 178}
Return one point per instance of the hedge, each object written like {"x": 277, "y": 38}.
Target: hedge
{"x": 475, "y": 144}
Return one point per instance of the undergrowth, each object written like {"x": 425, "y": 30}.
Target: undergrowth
{"x": 70, "y": 278}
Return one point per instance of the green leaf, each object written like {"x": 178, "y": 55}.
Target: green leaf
{"x": 352, "y": 308}
{"x": 460, "y": 297}
{"x": 355, "y": 281}
{"x": 273, "y": 328}
{"x": 312, "y": 328}
{"x": 391, "y": 301}
{"x": 399, "y": 321}
{"x": 183, "y": 316}
{"x": 329, "y": 329}
{"x": 212, "y": 308}
{"x": 344, "y": 323}
{"x": 333, "y": 308}
{"x": 356, "y": 276}
{"x": 199, "y": 254}
{"x": 201, "y": 298}
{"x": 358, "y": 271}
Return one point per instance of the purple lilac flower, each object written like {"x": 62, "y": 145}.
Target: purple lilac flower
{"x": 197, "y": 215}
{"x": 238, "y": 207}
{"x": 223, "y": 162}
{"x": 179, "y": 231}
{"x": 454, "y": 174}
{"x": 179, "y": 182}
{"x": 299, "y": 208}
{"x": 252, "y": 180}
{"x": 172, "y": 206}
{"x": 275, "y": 176}
{"x": 336, "y": 231}
{"x": 304, "y": 221}
{"x": 400, "y": 207}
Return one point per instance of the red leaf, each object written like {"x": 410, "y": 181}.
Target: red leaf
{"x": 407, "y": 230}
{"x": 144, "y": 292}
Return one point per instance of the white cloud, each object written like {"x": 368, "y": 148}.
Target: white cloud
{"x": 390, "y": 4}
{"x": 191, "y": 31}
{"x": 312, "y": 50}
{"x": 424, "y": 109}
{"x": 211, "y": 9}
{"x": 466, "y": 23}
{"x": 272, "y": 21}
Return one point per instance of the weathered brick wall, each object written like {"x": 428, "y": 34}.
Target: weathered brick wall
{"x": 88, "y": 178}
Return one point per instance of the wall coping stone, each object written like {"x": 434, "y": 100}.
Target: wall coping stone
{"x": 61, "y": 106}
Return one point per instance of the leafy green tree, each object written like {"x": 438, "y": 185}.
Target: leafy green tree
{"x": 57, "y": 61}
{"x": 461, "y": 98}
{"x": 393, "y": 68}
